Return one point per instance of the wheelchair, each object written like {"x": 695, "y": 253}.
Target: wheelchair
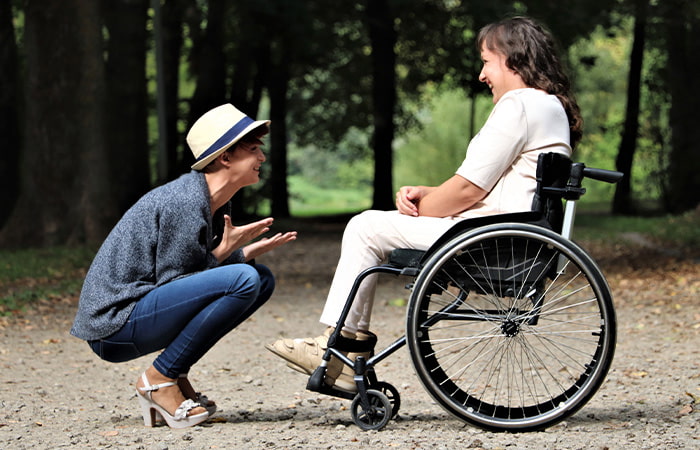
{"x": 510, "y": 325}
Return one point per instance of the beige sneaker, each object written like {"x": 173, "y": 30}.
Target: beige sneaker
{"x": 305, "y": 355}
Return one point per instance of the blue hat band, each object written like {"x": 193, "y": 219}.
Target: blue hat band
{"x": 227, "y": 137}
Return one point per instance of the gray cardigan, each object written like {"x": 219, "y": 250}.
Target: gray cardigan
{"x": 167, "y": 234}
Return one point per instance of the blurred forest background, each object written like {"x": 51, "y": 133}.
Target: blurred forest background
{"x": 364, "y": 96}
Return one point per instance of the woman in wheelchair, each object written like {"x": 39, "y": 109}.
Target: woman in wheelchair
{"x": 534, "y": 112}
{"x": 163, "y": 280}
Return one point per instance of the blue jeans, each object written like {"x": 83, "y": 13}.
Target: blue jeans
{"x": 186, "y": 317}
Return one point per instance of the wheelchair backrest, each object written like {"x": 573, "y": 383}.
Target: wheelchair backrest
{"x": 553, "y": 173}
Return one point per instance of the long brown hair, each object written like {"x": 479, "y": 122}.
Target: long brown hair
{"x": 530, "y": 52}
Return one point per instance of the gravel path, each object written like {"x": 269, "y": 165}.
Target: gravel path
{"x": 55, "y": 393}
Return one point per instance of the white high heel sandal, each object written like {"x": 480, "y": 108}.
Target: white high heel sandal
{"x": 151, "y": 410}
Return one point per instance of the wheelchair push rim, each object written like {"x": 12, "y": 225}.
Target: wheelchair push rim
{"x": 511, "y": 327}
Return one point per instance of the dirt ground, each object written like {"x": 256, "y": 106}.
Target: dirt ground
{"x": 55, "y": 393}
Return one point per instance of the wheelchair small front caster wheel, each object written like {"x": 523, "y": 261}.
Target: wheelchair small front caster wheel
{"x": 373, "y": 416}
{"x": 392, "y": 394}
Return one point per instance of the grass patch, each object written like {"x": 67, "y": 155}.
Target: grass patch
{"x": 39, "y": 274}
{"x": 678, "y": 231}
{"x": 31, "y": 274}
{"x": 307, "y": 200}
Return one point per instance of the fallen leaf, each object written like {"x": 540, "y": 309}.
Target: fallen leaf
{"x": 685, "y": 410}
{"x": 398, "y": 302}
{"x": 635, "y": 373}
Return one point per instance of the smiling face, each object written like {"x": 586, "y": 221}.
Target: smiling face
{"x": 496, "y": 74}
{"x": 246, "y": 159}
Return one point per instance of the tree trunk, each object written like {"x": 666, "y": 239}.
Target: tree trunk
{"x": 262, "y": 66}
{"x": 64, "y": 176}
{"x": 623, "y": 202}
{"x": 683, "y": 45}
{"x": 210, "y": 69}
{"x": 278, "y": 83}
{"x": 242, "y": 78}
{"x": 172, "y": 19}
{"x": 126, "y": 100}
{"x": 251, "y": 55}
{"x": 250, "y": 63}
{"x": 9, "y": 114}
{"x": 383, "y": 38}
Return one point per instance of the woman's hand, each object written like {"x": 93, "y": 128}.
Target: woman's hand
{"x": 264, "y": 245}
{"x": 408, "y": 197}
{"x": 233, "y": 238}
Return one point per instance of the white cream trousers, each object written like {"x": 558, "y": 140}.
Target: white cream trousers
{"x": 368, "y": 240}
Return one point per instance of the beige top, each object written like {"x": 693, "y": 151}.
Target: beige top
{"x": 502, "y": 157}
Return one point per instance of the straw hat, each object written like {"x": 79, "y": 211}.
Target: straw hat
{"x": 217, "y": 130}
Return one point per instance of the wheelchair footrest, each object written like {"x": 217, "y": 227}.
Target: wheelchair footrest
{"x": 316, "y": 384}
{"x": 333, "y": 392}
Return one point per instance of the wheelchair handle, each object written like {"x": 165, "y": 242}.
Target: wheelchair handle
{"x": 579, "y": 171}
{"x": 608, "y": 176}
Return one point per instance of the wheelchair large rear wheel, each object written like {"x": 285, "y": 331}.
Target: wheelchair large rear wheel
{"x": 511, "y": 327}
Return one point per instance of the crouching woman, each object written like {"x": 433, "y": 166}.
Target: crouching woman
{"x": 175, "y": 275}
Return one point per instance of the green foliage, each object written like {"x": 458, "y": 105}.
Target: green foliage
{"x": 601, "y": 64}
{"x": 600, "y": 79}
{"x": 325, "y": 181}
{"x": 347, "y": 164}
{"x": 432, "y": 153}
{"x": 653, "y": 141}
